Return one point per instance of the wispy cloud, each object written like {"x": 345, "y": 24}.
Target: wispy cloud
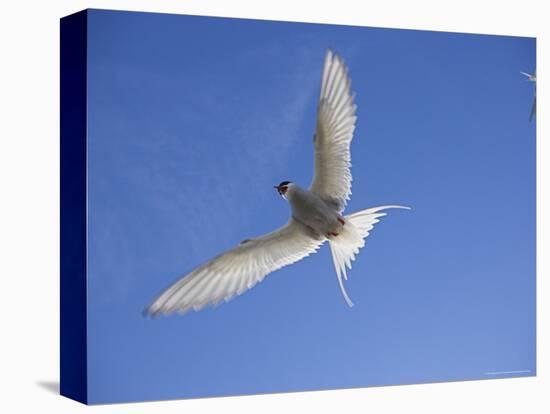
{"x": 258, "y": 128}
{"x": 160, "y": 151}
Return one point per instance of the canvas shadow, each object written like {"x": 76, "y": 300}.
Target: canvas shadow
{"x": 50, "y": 386}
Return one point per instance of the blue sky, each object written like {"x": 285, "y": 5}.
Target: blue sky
{"x": 192, "y": 120}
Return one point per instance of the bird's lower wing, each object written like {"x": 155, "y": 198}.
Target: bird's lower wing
{"x": 533, "y": 110}
{"x": 238, "y": 269}
{"x": 333, "y": 135}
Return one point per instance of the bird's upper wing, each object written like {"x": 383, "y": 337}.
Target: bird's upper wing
{"x": 528, "y": 75}
{"x": 238, "y": 269}
{"x": 334, "y": 132}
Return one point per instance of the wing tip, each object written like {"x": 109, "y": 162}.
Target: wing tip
{"x": 155, "y": 311}
{"x": 149, "y": 313}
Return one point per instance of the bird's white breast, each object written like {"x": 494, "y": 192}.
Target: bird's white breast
{"x": 312, "y": 211}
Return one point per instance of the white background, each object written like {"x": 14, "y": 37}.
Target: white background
{"x": 29, "y": 206}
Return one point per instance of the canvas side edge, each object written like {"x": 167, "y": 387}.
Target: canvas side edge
{"x": 73, "y": 202}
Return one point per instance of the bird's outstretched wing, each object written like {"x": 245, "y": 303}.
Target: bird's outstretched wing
{"x": 334, "y": 132}
{"x": 532, "y": 78}
{"x": 237, "y": 270}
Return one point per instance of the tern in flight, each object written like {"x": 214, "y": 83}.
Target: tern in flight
{"x": 317, "y": 214}
{"x": 532, "y": 78}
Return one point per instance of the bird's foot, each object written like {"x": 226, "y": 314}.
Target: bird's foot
{"x": 341, "y": 220}
{"x": 333, "y": 234}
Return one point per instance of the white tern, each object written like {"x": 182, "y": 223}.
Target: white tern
{"x": 532, "y": 78}
{"x": 317, "y": 214}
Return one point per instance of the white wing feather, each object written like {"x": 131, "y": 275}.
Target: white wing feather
{"x": 334, "y": 132}
{"x": 237, "y": 270}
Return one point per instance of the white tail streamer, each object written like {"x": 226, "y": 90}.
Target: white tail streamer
{"x": 346, "y": 245}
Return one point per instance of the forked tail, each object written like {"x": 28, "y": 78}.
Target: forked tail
{"x": 346, "y": 245}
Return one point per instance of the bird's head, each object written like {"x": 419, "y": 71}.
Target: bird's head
{"x": 283, "y": 188}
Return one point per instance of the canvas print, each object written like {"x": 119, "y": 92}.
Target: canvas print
{"x": 379, "y": 183}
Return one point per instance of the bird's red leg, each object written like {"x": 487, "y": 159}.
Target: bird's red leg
{"x": 341, "y": 220}
{"x": 332, "y": 234}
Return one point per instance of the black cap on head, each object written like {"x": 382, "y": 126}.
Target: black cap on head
{"x": 281, "y": 188}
